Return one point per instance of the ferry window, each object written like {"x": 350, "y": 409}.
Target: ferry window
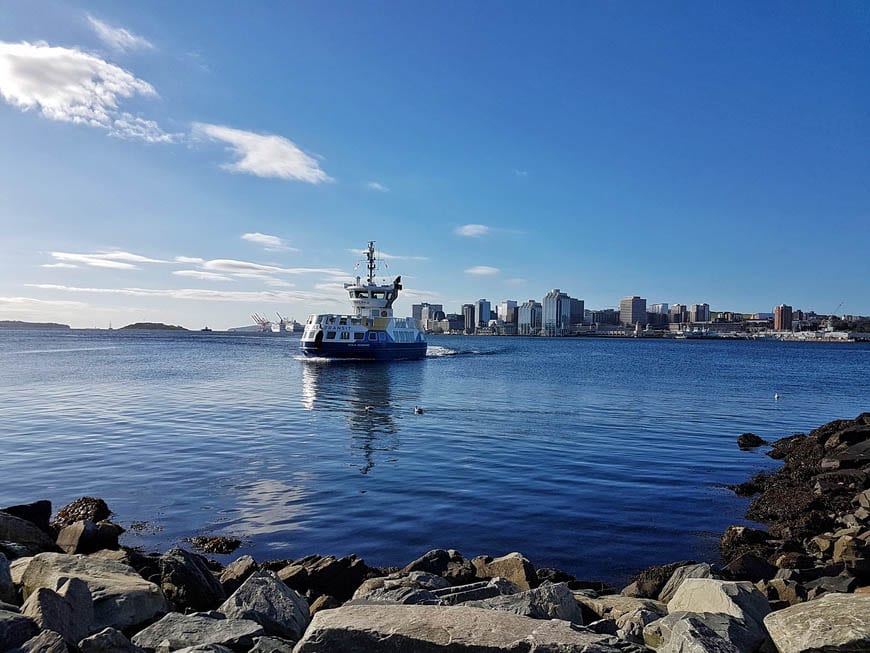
{"x": 377, "y": 294}
{"x": 373, "y": 335}
{"x": 389, "y": 295}
{"x": 343, "y": 321}
{"x": 361, "y": 294}
{"x": 330, "y": 335}
{"x": 345, "y": 335}
{"x": 382, "y": 336}
{"x": 358, "y": 335}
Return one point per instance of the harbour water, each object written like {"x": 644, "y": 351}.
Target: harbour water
{"x": 596, "y": 456}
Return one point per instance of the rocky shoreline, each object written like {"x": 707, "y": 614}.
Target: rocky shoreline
{"x": 801, "y": 585}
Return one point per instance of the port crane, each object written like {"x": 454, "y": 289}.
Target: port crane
{"x": 263, "y": 322}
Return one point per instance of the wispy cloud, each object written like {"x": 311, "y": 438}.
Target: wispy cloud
{"x": 521, "y": 173}
{"x": 200, "y": 274}
{"x": 68, "y": 85}
{"x": 269, "y": 243}
{"x": 264, "y": 155}
{"x": 199, "y": 294}
{"x": 374, "y": 185}
{"x": 118, "y": 38}
{"x": 472, "y": 230}
{"x": 233, "y": 266}
{"x": 58, "y": 265}
{"x": 391, "y": 257}
{"x": 516, "y": 282}
{"x": 116, "y": 260}
{"x": 189, "y": 259}
{"x": 482, "y": 271}
{"x": 23, "y": 304}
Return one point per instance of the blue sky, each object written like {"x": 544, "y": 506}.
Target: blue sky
{"x": 196, "y": 162}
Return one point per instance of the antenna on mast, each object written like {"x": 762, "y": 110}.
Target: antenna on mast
{"x": 370, "y": 255}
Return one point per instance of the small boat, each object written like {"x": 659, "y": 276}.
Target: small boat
{"x": 205, "y": 329}
{"x": 371, "y": 331}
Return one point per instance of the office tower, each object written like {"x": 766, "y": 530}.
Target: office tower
{"x": 782, "y": 318}
{"x": 468, "y": 317}
{"x": 482, "y": 313}
{"x": 700, "y": 313}
{"x": 632, "y": 310}
{"x": 529, "y": 318}
{"x": 556, "y": 313}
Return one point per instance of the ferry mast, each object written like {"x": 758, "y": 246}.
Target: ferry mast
{"x": 370, "y": 255}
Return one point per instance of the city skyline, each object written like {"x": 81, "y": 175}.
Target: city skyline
{"x": 162, "y": 167}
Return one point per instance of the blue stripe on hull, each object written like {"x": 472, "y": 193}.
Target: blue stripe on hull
{"x": 370, "y": 351}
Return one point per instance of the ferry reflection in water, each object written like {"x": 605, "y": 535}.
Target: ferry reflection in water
{"x": 375, "y": 397}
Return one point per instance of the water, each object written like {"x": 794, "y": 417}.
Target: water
{"x": 596, "y": 456}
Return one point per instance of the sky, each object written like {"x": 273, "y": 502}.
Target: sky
{"x": 196, "y": 162}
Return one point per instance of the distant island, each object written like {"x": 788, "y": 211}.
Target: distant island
{"x": 16, "y": 324}
{"x": 152, "y": 326}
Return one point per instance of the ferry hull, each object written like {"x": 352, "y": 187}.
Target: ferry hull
{"x": 367, "y": 351}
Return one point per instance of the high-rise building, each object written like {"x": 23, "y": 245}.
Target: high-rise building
{"x": 529, "y": 318}
{"x": 700, "y": 313}
{"x": 507, "y": 311}
{"x": 482, "y": 313}
{"x": 782, "y": 318}
{"x": 632, "y": 310}
{"x": 417, "y": 310}
{"x": 578, "y": 311}
{"x": 606, "y": 316}
{"x": 556, "y": 313}
{"x": 468, "y": 317}
{"x": 678, "y": 314}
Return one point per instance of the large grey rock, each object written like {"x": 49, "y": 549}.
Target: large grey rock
{"x": 741, "y": 599}
{"x": 400, "y": 595}
{"x": 613, "y": 606}
{"x": 15, "y": 629}
{"x": 108, "y": 640}
{"x": 122, "y": 598}
{"x": 514, "y": 567}
{"x": 78, "y": 537}
{"x": 475, "y": 591}
{"x": 180, "y": 630}
{"x": 272, "y": 645}
{"x": 17, "y": 568}
{"x": 544, "y": 602}
{"x": 446, "y": 629}
{"x": 28, "y": 536}
{"x": 45, "y": 642}
{"x": 37, "y": 513}
{"x": 692, "y": 635}
{"x": 187, "y": 581}
{"x": 68, "y": 612}
{"x": 236, "y": 573}
{"x": 701, "y": 570}
{"x": 447, "y": 563}
{"x": 742, "y": 636}
{"x": 834, "y": 622}
{"x": 315, "y": 575}
{"x": 419, "y": 580}
{"x": 263, "y": 598}
{"x": 7, "y": 588}
{"x": 200, "y": 648}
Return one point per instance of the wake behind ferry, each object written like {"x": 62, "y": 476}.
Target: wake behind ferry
{"x": 371, "y": 332}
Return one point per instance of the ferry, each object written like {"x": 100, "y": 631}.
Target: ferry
{"x": 371, "y": 332}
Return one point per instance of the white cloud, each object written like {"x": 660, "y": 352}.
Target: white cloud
{"x": 116, "y": 260}
{"x": 521, "y": 173}
{"x": 264, "y": 155}
{"x": 21, "y": 304}
{"x": 200, "y": 274}
{"x": 237, "y": 268}
{"x": 516, "y": 281}
{"x": 391, "y": 257}
{"x": 199, "y": 294}
{"x": 58, "y": 265}
{"x": 482, "y": 271}
{"x": 269, "y": 243}
{"x": 472, "y": 230}
{"x": 69, "y": 85}
{"x": 119, "y": 38}
{"x": 373, "y": 185}
{"x": 189, "y": 259}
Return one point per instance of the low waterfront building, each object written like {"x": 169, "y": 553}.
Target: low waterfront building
{"x": 605, "y": 316}
{"x": 529, "y": 318}
{"x": 632, "y": 310}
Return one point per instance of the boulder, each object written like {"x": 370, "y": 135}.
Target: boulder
{"x": 789, "y": 591}
{"x": 855, "y": 456}
{"x": 68, "y": 612}
{"x": 414, "y": 580}
{"x": 264, "y": 599}
{"x": 842, "y": 583}
{"x": 748, "y": 567}
{"x": 122, "y": 598}
{"x": 750, "y": 441}
{"x": 178, "y": 631}
{"x": 692, "y": 635}
{"x": 235, "y": 573}
{"x": 613, "y": 606}
{"x": 446, "y": 563}
{"x": 700, "y": 570}
{"x": 322, "y": 602}
{"x": 15, "y": 629}
{"x": 28, "y": 537}
{"x": 272, "y": 645}
{"x": 17, "y": 568}
{"x": 108, "y": 640}
{"x": 431, "y": 629}
{"x": 834, "y": 622}
{"x": 737, "y": 540}
{"x": 214, "y": 544}
{"x": 91, "y": 508}
{"x": 648, "y": 584}
{"x": 475, "y": 591}
{"x": 78, "y": 537}
{"x": 401, "y": 595}
{"x": 37, "y": 513}
{"x": 740, "y": 599}
{"x": 199, "y": 648}
{"x": 45, "y": 642}
{"x": 187, "y": 581}
{"x": 7, "y": 587}
{"x": 338, "y": 577}
{"x": 544, "y": 602}
{"x": 736, "y": 632}
{"x": 513, "y": 567}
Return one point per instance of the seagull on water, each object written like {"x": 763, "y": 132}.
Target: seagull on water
{"x": 418, "y": 410}
{"x": 776, "y": 396}
{"x": 369, "y": 409}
